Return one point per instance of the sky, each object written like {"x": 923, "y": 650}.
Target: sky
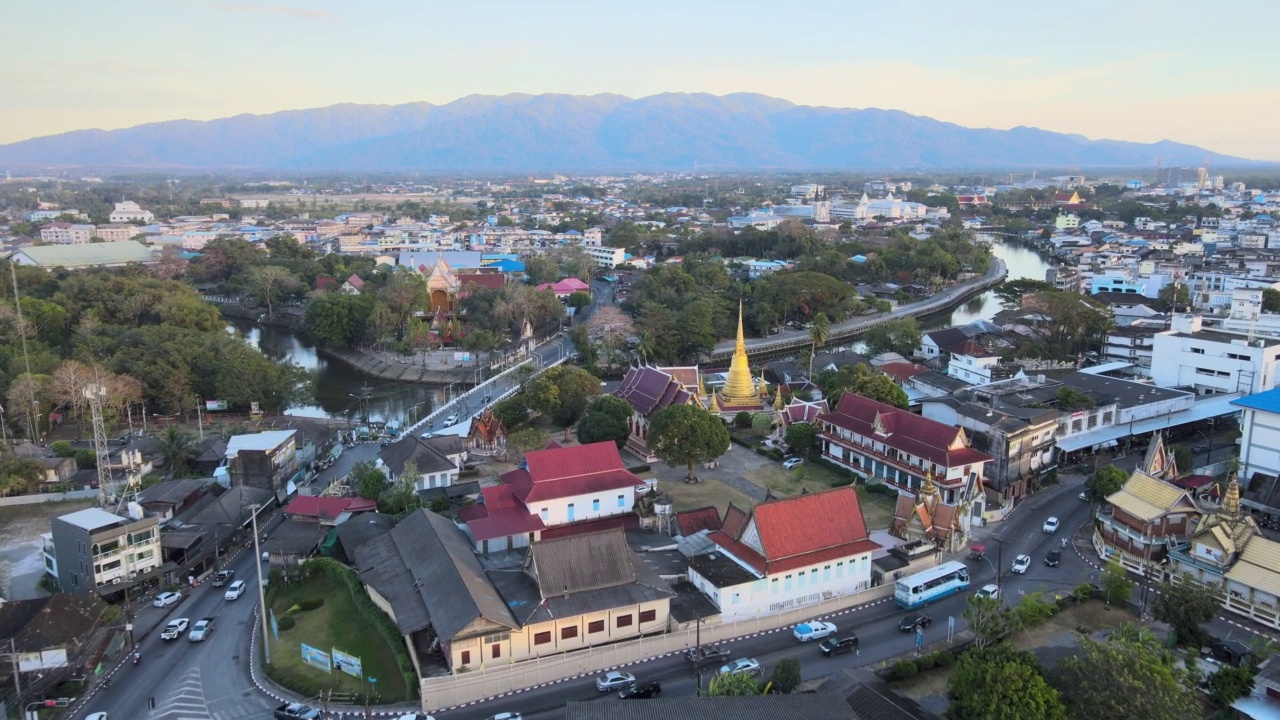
{"x": 1193, "y": 72}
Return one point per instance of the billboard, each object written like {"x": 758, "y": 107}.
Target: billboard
{"x": 348, "y": 664}
{"x": 215, "y": 405}
{"x": 316, "y": 658}
{"x": 462, "y": 356}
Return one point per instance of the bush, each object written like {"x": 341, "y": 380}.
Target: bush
{"x": 310, "y": 604}
{"x": 1083, "y": 591}
{"x": 62, "y": 448}
{"x": 904, "y": 669}
{"x": 1035, "y": 609}
{"x": 742, "y": 419}
{"x": 927, "y": 661}
{"x": 285, "y": 623}
{"x": 86, "y": 459}
{"x": 776, "y": 454}
{"x": 945, "y": 658}
{"x": 639, "y": 469}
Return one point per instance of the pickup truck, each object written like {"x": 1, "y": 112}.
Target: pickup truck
{"x": 223, "y": 577}
{"x": 707, "y": 655}
{"x": 201, "y": 630}
{"x": 174, "y": 629}
{"x": 296, "y": 711}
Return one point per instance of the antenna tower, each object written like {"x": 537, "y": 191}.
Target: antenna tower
{"x": 94, "y": 393}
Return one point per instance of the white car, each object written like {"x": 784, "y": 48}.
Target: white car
{"x": 741, "y": 666}
{"x": 96, "y": 716}
{"x": 235, "y": 591}
{"x": 174, "y": 629}
{"x": 990, "y": 590}
{"x": 414, "y": 716}
{"x": 813, "y": 630}
{"x": 615, "y": 680}
{"x": 451, "y": 420}
{"x": 1051, "y": 525}
{"x": 1020, "y": 564}
{"x": 794, "y": 462}
{"x": 506, "y": 716}
{"x": 165, "y": 599}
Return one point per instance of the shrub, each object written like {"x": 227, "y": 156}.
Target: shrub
{"x": 86, "y": 459}
{"x": 1083, "y": 591}
{"x": 639, "y": 469}
{"x": 310, "y": 604}
{"x": 742, "y": 419}
{"x": 293, "y": 610}
{"x": 927, "y": 661}
{"x": 904, "y": 669}
{"x": 776, "y": 454}
{"x": 285, "y": 623}
{"x": 945, "y": 658}
{"x": 1035, "y": 609}
{"x": 62, "y": 448}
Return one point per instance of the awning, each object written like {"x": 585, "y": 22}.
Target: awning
{"x": 1213, "y": 406}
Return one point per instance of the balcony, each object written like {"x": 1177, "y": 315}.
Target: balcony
{"x": 851, "y": 447}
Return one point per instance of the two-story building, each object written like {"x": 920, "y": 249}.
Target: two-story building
{"x": 786, "y": 553}
{"x": 559, "y": 491}
{"x": 972, "y": 363}
{"x": 1213, "y": 362}
{"x": 266, "y": 460}
{"x": 1138, "y": 524}
{"x": 94, "y": 551}
{"x": 435, "y": 462}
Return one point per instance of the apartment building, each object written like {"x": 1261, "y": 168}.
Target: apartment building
{"x": 64, "y": 233}
{"x": 267, "y": 460}
{"x": 1209, "y": 361}
{"x": 117, "y": 232}
{"x": 129, "y": 211}
{"x": 606, "y": 257}
{"x": 94, "y": 551}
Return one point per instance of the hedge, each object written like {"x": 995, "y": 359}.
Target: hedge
{"x": 372, "y": 613}
{"x": 638, "y": 469}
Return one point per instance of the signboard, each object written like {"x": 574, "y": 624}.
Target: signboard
{"x": 215, "y": 405}
{"x": 255, "y": 410}
{"x": 462, "y": 356}
{"x": 316, "y": 658}
{"x": 44, "y": 660}
{"x": 348, "y": 664}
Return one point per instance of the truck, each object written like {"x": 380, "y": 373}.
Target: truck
{"x": 174, "y": 629}
{"x": 707, "y": 655}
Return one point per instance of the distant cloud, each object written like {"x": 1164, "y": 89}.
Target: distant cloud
{"x": 308, "y": 13}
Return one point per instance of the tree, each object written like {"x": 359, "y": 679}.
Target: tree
{"x": 1116, "y": 585}
{"x": 820, "y": 331}
{"x": 1010, "y": 292}
{"x": 1106, "y": 482}
{"x": 1187, "y": 606}
{"x": 786, "y": 675}
{"x": 541, "y": 269}
{"x": 742, "y": 419}
{"x": 1183, "y": 458}
{"x": 1001, "y": 683}
{"x": 177, "y": 446}
{"x": 578, "y": 300}
{"x": 369, "y": 479}
{"x": 801, "y": 437}
{"x": 513, "y": 412}
{"x": 901, "y": 336}
{"x": 605, "y": 419}
{"x": 562, "y": 393}
{"x": 18, "y": 475}
{"x": 734, "y": 685}
{"x": 1173, "y": 297}
{"x": 1271, "y": 300}
{"x": 268, "y": 282}
{"x": 685, "y": 435}
{"x": 583, "y": 345}
{"x": 1230, "y": 683}
{"x": 1125, "y": 681}
{"x": 762, "y": 423}
{"x": 1064, "y": 324}
{"x": 338, "y": 319}
{"x": 861, "y": 380}
{"x": 990, "y": 619}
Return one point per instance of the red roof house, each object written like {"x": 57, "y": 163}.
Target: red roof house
{"x": 566, "y": 287}
{"x": 325, "y": 510}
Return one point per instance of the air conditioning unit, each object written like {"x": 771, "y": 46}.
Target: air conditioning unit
{"x": 115, "y": 581}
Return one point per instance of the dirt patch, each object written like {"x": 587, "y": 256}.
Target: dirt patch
{"x": 877, "y": 508}
{"x": 710, "y": 491}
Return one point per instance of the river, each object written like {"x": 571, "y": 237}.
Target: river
{"x": 1022, "y": 263}
{"x": 337, "y": 384}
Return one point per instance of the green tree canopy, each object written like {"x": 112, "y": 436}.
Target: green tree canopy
{"x": 762, "y": 423}
{"x": 990, "y": 619}
{"x": 1105, "y": 482}
{"x": 901, "y": 336}
{"x": 1010, "y": 292}
{"x": 1001, "y": 683}
{"x": 369, "y": 480}
{"x": 786, "y": 675}
{"x": 1125, "y": 681}
{"x": 339, "y": 320}
{"x": 685, "y": 435}
{"x": 1187, "y": 606}
{"x": 1175, "y": 294}
{"x": 1116, "y": 585}
{"x": 605, "y": 419}
{"x": 861, "y": 380}
{"x": 562, "y": 393}
{"x": 801, "y": 437}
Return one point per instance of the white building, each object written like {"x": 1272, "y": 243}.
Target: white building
{"x": 972, "y": 363}
{"x": 129, "y": 211}
{"x": 197, "y": 239}
{"x": 786, "y": 553}
{"x": 1260, "y": 435}
{"x": 889, "y": 208}
{"x": 61, "y": 233}
{"x": 1210, "y": 361}
{"x": 809, "y": 190}
{"x": 606, "y": 257}
{"x": 1246, "y": 316}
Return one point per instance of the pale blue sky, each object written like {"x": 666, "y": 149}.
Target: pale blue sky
{"x": 1197, "y": 72}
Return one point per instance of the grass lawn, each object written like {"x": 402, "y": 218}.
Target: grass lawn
{"x": 708, "y": 492}
{"x": 876, "y": 508}
{"x": 785, "y": 483}
{"x": 335, "y": 624}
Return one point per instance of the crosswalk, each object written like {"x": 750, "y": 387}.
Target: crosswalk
{"x": 187, "y": 700}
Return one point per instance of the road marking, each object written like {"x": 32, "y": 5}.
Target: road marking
{"x": 186, "y": 701}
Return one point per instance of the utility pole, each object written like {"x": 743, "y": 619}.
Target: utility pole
{"x": 200, "y": 418}
{"x": 33, "y": 420}
{"x": 13, "y": 657}
{"x": 94, "y": 393}
{"x": 363, "y": 396}
{"x": 262, "y": 595}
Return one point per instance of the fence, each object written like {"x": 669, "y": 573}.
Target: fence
{"x": 38, "y": 498}
{"x": 466, "y": 687}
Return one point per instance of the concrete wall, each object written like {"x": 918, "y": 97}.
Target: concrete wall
{"x": 47, "y": 498}
{"x": 446, "y": 692}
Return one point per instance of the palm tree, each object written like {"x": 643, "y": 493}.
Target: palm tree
{"x": 177, "y": 447}
{"x": 818, "y": 334}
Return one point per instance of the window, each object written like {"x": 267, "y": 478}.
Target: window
{"x": 735, "y": 599}
{"x": 568, "y": 633}
{"x": 773, "y": 586}
{"x": 786, "y": 582}
{"x": 826, "y": 573}
{"x": 542, "y": 638}
{"x": 1197, "y": 351}
{"x": 595, "y": 626}
{"x": 546, "y": 514}
{"x": 466, "y": 657}
{"x": 495, "y": 651}
{"x": 595, "y": 506}
{"x": 839, "y": 569}
{"x": 648, "y": 616}
{"x": 622, "y": 501}
{"x": 624, "y": 621}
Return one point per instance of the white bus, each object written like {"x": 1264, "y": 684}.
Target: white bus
{"x": 931, "y": 585}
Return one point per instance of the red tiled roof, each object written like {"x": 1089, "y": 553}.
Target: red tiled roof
{"x": 692, "y": 521}
{"x": 735, "y": 521}
{"x": 355, "y": 281}
{"x": 907, "y": 432}
{"x": 488, "y": 281}
{"x": 972, "y": 349}
{"x": 803, "y": 530}
{"x": 328, "y": 507}
{"x": 500, "y": 515}
{"x": 801, "y": 411}
{"x": 900, "y": 371}
{"x": 326, "y": 283}
{"x": 567, "y": 286}
{"x": 567, "y": 471}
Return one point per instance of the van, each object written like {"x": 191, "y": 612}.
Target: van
{"x": 833, "y": 646}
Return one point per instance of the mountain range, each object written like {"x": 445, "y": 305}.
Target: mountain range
{"x": 518, "y": 133}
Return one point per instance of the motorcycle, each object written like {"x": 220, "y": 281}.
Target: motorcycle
{"x": 136, "y": 658}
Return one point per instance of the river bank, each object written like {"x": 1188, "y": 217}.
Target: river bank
{"x": 392, "y": 366}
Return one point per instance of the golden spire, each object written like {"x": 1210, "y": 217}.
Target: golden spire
{"x": 1231, "y": 499}
{"x": 778, "y": 403}
{"x": 739, "y": 387}
{"x": 702, "y": 385}
{"x": 764, "y": 385}
{"x": 715, "y": 405}
{"x": 928, "y": 488}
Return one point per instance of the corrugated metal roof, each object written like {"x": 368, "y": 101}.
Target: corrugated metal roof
{"x": 582, "y": 562}
{"x": 83, "y": 255}
{"x": 1255, "y": 567}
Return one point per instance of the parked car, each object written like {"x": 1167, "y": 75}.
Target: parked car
{"x": 223, "y": 577}
{"x": 990, "y": 590}
{"x": 96, "y": 716}
{"x": 707, "y": 655}
{"x": 235, "y": 591}
{"x": 813, "y": 630}
{"x": 1050, "y": 525}
{"x": 413, "y": 716}
{"x": 741, "y": 666}
{"x": 793, "y": 462}
{"x": 451, "y": 420}
{"x": 202, "y": 630}
{"x": 124, "y": 440}
{"x": 642, "y": 692}
{"x": 911, "y": 622}
{"x": 1084, "y": 496}
{"x": 174, "y": 629}
{"x": 165, "y": 599}
{"x": 296, "y": 711}
{"x": 615, "y": 680}
{"x": 833, "y": 646}
{"x": 1020, "y": 564}
{"x": 1053, "y": 558}
{"x": 1199, "y": 449}
{"x": 506, "y": 716}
